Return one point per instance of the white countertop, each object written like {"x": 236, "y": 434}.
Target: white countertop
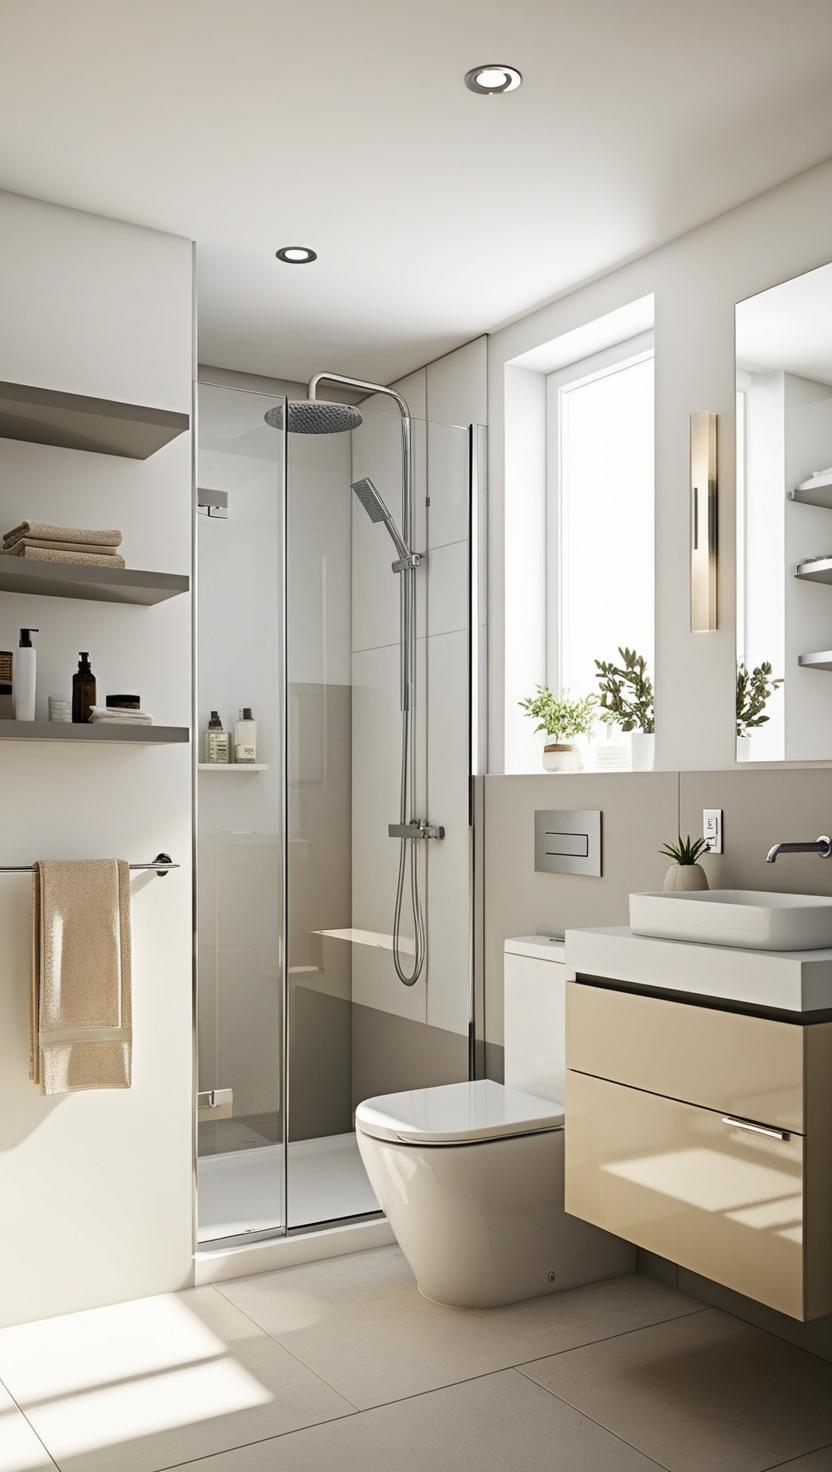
{"x": 787, "y": 981}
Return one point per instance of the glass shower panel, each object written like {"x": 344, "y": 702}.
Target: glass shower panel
{"x": 240, "y": 838}
{"x": 354, "y": 1029}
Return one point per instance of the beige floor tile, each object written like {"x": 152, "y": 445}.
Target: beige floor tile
{"x": 362, "y": 1324}
{"x": 706, "y": 1393}
{"x": 487, "y": 1425}
{"x": 20, "y": 1449}
{"x": 147, "y": 1384}
{"x": 815, "y": 1462}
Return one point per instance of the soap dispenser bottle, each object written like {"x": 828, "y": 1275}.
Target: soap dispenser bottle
{"x": 83, "y": 690}
{"x": 25, "y": 677}
{"x": 217, "y": 742}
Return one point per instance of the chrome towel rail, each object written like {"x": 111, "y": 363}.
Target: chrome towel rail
{"x": 161, "y": 865}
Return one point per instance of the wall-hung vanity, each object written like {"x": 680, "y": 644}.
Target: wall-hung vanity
{"x": 699, "y": 1101}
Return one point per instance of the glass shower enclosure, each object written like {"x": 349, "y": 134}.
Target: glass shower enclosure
{"x": 301, "y": 1013}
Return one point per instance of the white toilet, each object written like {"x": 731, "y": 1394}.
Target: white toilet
{"x": 470, "y": 1176}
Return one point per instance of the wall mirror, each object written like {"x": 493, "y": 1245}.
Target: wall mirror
{"x": 784, "y": 521}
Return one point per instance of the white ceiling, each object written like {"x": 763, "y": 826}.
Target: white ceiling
{"x": 345, "y": 125}
{"x": 789, "y": 328}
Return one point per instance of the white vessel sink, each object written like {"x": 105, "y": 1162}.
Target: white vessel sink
{"x": 753, "y": 919}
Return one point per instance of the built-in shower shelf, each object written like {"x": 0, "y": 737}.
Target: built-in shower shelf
{"x": 820, "y": 661}
{"x": 239, "y": 767}
{"x": 47, "y": 416}
{"x": 373, "y": 938}
{"x": 817, "y": 570}
{"x": 814, "y": 493}
{"x": 94, "y": 584}
{"x": 100, "y": 731}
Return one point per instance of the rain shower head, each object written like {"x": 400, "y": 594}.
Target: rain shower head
{"x": 371, "y": 499}
{"x": 315, "y": 416}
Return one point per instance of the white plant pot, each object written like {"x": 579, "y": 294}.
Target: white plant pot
{"x": 744, "y": 748}
{"x": 642, "y": 751}
{"x": 560, "y": 758}
{"x": 684, "y": 877}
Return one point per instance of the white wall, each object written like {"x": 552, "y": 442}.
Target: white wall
{"x": 97, "y": 1186}
{"x": 697, "y": 280}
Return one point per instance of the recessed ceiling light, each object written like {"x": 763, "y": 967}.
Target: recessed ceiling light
{"x": 493, "y": 78}
{"x": 296, "y": 255}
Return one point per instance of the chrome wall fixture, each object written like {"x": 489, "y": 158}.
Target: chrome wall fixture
{"x": 703, "y": 523}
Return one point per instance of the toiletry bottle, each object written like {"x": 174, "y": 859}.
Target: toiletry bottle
{"x": 217, "y": 742}
{"x": 83, "y": 690}
{"x": 25, "y": 677}
{"x": 245, "y": 740}
{"x": 6, "y": 687}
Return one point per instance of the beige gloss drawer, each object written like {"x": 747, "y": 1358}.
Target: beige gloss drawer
{"x": 750, "y": 1066}
{"x": 678, "y": 1181}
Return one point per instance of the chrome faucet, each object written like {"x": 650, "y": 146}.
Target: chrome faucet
{"x": 822, "y": 846}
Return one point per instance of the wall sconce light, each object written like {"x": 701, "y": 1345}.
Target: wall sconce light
{"x": 703, "y": 523}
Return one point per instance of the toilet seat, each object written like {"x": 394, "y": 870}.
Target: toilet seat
{"x": 457, "y": 1114}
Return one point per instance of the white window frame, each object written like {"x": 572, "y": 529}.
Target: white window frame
{"x": 600, "y": 365}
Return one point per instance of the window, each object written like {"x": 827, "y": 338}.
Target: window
{"x": 600, "y": 515}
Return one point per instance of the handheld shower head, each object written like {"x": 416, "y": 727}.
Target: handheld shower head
{"x": 371, "y": 499}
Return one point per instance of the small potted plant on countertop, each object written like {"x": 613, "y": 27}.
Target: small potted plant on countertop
{"x": 685, "y": 873}
{"x": 755, "y": 688}
{"x": 626, "y": 700}
{"x": 563, "y": 720}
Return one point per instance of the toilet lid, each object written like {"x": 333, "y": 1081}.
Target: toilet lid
{"x": 452, "y": 1114}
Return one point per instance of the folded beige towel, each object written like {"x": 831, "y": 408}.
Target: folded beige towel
{"x": 74, "y": 559}
{"x": 54, "y": 533}
{"x": 23, "y": 542}
{"x": 81, "y": 1005}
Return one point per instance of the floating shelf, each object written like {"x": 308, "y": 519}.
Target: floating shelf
{"x": 818, "y": 570}
{"x": 100, "y": 731}
{"x": 820, "y": 661}
{"x": 87, "y": 581}
{"x": 233, "y": 766}
{"x": 817, "y": 494}
{"x": 45, "y": 416}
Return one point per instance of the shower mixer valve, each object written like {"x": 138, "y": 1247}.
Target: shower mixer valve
{"x": 416, "y": 828}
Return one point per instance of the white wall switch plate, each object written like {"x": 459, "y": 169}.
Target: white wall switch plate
{"x": 712, "y": 829}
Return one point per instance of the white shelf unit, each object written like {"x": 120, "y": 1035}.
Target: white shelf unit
{"x": 239, "y": 767}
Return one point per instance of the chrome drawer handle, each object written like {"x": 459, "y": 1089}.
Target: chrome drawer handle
{"x": 756, "y": 1129}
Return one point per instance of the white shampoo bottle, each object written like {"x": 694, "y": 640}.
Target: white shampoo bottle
{"x": 245, "y": 737}
{"x": 25, "y": 677}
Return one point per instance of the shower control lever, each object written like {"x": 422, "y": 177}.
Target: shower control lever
{"x": 417, "y": 828}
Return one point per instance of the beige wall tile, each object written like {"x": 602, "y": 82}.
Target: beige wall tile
{"x": 759, "y": 808}
{"x": 639, "y": 815}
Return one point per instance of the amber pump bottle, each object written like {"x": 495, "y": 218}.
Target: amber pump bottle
{"x": 83, "y": 690}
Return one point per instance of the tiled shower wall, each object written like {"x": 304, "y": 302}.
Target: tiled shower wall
{"x": 407, "y": 1037}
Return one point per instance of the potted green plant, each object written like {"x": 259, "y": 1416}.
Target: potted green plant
{"x": 755, "y": 688}
{"x": 685, "y": 872}
{"x": 626, "y": 700}
{"x": 563, "y": 720}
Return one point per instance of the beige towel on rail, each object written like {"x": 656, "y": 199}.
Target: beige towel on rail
{"x": 81, "y": 1013}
